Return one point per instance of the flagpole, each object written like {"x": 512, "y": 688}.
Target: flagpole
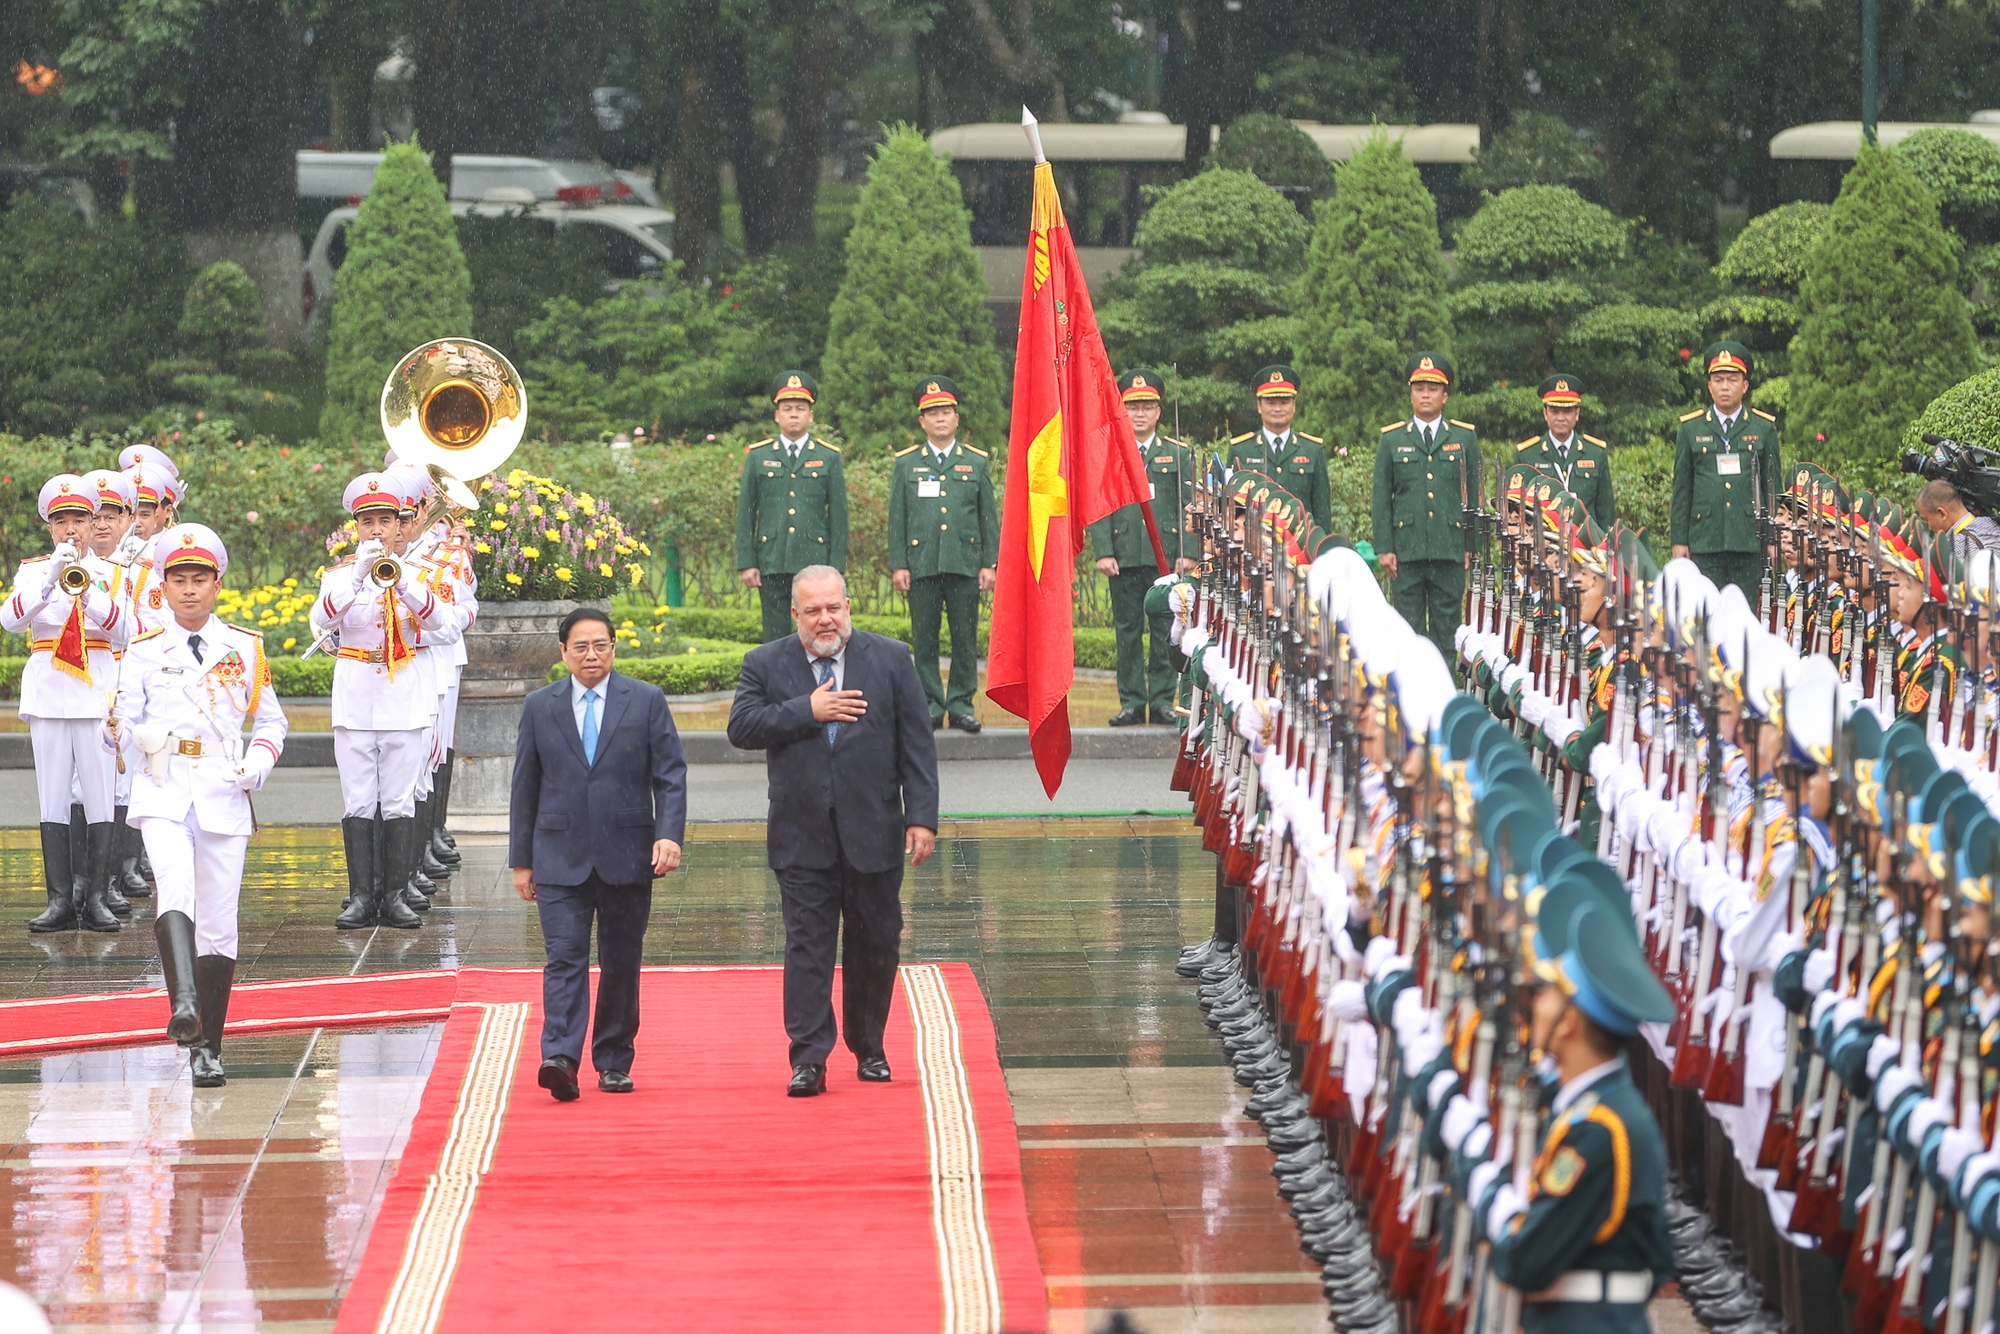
{"x": 1033, "y": 129}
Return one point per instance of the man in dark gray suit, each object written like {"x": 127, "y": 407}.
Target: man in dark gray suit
{"x": 841, "y": 718}
{"x": 599, "y": 809}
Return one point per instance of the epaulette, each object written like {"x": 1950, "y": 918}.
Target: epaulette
{"x": 1759, "y": 412}
{"x": 1529, "y": 443}
{"x": 244, "y": 630}
{"x": 760, "y": 444}
{"x": 911, "y": 450}
{"x": 1467, "y": 425}
{"x": 34, "y": 560}
{"x": 343, "y": 562}
{"x": 145, "y": 635}
{"x": 1239, "y": 439}
{"x": 1593, "y": 440}
{"x": 1392, "y": 426}
{"x": 1315, "y": 439}
{"x": 970, "y": 449}
{"x": 824, "y": 445}
{"x": 1690, "y": 416}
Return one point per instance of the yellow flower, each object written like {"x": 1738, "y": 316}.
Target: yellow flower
{"x": 562, "y": 573}
{"x": 562, "y": 516}
{"x": 497, "y": 525}
{"x": 483, "y": 548}
{"x": 513, "y": 492}
{"x": 590, "y": 544}
{"x": 626, "y": 624}
{"x": 535, "y": 511}
{"x": 291, "y": 643}
{"x": 604, "y": 570}
{"x": 552, "y": 535}
{"x": 532, "y": 553}
{"x": 513, "y": 578}
{"x": 638, "y": 572}
{"x": 291, "y": 583}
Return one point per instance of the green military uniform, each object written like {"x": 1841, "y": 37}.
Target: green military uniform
{"x": 791, "y": 510}
{"x": 1146, "y": 680}
{"x": 944, "y": 529}
{"x": 1582, "y": 464}
{"x": 1714, "y": 511}
{"x": 1295, "y": 459}
{"x": 1425, "y": 475}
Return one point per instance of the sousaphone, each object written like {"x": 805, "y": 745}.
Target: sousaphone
{"x": 455, "y": 408}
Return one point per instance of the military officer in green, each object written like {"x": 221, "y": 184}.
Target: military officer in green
{"x": 1295, "y": 459}
{"x": 944, "y": 545}
{"x": 791, "y": 509}
{"x": 1725, "y": 466}
{"x": 1125, "y": 557}
{"x": 1582, "y": 463}
{"x": 1426, "y": 472}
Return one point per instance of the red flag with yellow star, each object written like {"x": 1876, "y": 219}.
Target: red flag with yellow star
{"x": 1071, "y": 460}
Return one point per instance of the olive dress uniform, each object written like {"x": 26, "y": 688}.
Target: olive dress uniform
{"x": 791, "y": 511}
{"x": 944, "y": 529}
{"x": 1584, "y": 469}
{"x": 1294, "y": 459}
{"x": 1419, "y": 519}
{"x": 1714, "y": 509}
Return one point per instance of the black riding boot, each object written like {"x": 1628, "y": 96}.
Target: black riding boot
{"x": 428, "y": 864}
{"x": 214, "y": 975}
{"x": 79, "y": 853}
{"x": 114, "y": 855}
{"x": 419, "y": 888}
{"x": 399, "y": 843}
{"x": 357, "y": 835}
{"x": 60, "y": 915}
{"x": 133, "y": 846}
{"x": 449, "y": 757}
{"x": 93, "y": 912}
{"x": 441, "y": 847}
{"x": 174, "y": 934}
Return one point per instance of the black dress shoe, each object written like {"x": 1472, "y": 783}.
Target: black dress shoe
{"x": 558, "y": 1076}
{"x": 964, "y": 722}
{"x": 1164, "y": 717}
{"x": 808, "y": 1081}
{"x": 937, "y": 722}
{"x": 1128, "y": 718}
{"x": 873, "y": 1069}
{"x": 613, "y": 1081}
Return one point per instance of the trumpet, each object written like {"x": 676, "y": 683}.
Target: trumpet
{"x": 386, "y": 572}
{"x": 74, "y": 579}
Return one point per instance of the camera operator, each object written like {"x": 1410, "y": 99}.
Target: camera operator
{"x": 1943, "y": 508}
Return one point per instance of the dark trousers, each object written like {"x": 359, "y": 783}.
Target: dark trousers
{"x": 818, "y": 905}
{"x": 1145, "y": 679}
{"x": 775, "y": 596}
{"x": 1430, "y": 594}
{"x": 931, "y": 597}
{"x": 1742, "y": 568}
{"x": 566, "y": 911}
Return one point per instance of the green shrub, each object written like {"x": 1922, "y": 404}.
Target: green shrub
{"x": 1540, "y": 232}
{"x": 517, "y": 264}
{"x": 912, "y": 303}
{"x": 404, "y": 283}
{"x": 223, "y": 347}
{"x": 686, "y": 674}
{"x": 1276, "y": 152}
{"x": 1642, "y": 477}
{"x": 1968, "y": 412}
{"x": 1536, "y": 148}
{"x": 10, "y": 677}
{"x": 293, "y": 679}
{"x": 1885, "y": 328}
{"x": 1766, "y": 263}
{"x": 1962, "y": 171}
{"x": 1337, "y": 86}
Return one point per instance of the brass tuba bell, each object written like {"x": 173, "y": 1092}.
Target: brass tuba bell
{"x": 455, "y": 408}
{"x": 74, "y": 579}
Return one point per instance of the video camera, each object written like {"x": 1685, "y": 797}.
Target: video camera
{"x": 1968, "y": 468}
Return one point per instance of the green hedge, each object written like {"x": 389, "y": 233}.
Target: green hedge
{"x": 311, "y": 679}
{"x": 1095, "y": 649}
{"x": 686, "y": 674}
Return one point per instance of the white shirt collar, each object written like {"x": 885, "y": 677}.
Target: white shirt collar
{"x": 1728, "y": 419}
{"x": 210, "y": 632}
{"x": 1564, "y": 445}
{"x": 1575, "y": 1088}
{"x": 1434, "y": 424}
{"x": 576, "y": 689}
{"x": 794, "y": 446}
{"x": 1147, "y": 443}
{"x": 941, "y": 453}
{"x": 1276, "y": 438}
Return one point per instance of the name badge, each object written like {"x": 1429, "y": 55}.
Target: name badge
{"x": 1728, "y": 465}
{"x": 930, "y": 490}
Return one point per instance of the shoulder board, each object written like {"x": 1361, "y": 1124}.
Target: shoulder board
{"x": 1759, "y": 412}
{"x": 145, "y": 635}
{"x": 1593, "y": 440}
{"x": 34, "y": 560}
{"x": 343, "y": 562}
{"x": 1392, "y": 426}
{"x": 1315, "y": 439}
{"x": 1690, "y": 416}
{"x": 824, "y": 445}
{"x": 1178, "y": 444}
{"x": 759, "y": 445}
{"x": 1529, "y": 443}
{"x": 970, "y": 449}
{"x": 1467, "y": 425}
{"x": 1239, "y": 439}
{"x": 911, "y": 450}
{"x": 245, "y": 630}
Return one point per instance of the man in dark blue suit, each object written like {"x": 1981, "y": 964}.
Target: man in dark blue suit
{"x": 599, "y": 809}
{"x": 840, "y": 715}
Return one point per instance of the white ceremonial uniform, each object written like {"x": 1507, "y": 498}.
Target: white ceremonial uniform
{"x": 381, "y": 709}
{"x": 434, "y": 655}
{"x": 182, "y": 715}
{"x": 65, "y": 705}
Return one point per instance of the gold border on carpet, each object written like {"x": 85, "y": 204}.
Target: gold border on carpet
{"x": 966, "y": 1268}
{"x": 430, "y": 1257}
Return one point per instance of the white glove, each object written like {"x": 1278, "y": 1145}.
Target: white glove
{"x": 1881, "y": 1051}
{"x": 1348, "y": 1001}
{"x": 256, "y": 767}
{"x": 365, "y": 556}
{"x": 1819, "y": 970}
{"x": 1480, "y": 1178}
{"x": 1379, "y": 950}
{"x": 1478, "y": 1140}
{"x": 1507, "y": 1202}
{"x": 1460, "y": 1116}
{"x": 1957, "y": 1145}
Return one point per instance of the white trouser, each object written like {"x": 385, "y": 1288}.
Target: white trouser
{"x": 447, "y": 722}
{"x": 121, "y": 783}
{"x": 199, "y": 874}
{"x": 379, "y": 769}
{"x": 69, "y": 758}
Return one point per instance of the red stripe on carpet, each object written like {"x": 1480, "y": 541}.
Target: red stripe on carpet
{"x": 707, "y": 1200}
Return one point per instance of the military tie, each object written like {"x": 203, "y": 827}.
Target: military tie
{"x": 194, "y": 646}
{"x": 590, "y": 727}
{"x": 824, "y": 670}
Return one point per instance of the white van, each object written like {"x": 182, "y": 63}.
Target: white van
{"x": 346, "y": 177}
{"x": 637, "y": 241}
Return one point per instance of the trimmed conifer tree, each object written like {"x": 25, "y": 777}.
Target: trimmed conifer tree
{"x": 1373, "y": 294}
{"x": 404, "y": 282}
{"x": 1885, "y": 328}
{"x": 912, "y": 303}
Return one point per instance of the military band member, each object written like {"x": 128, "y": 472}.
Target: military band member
{"x": 1296, "y": 460}
{"x": 1582, "y": 463}
{"x": 1719, "y": 453}
{"x": 1125, "y": 557}
{"x": 1427, "y": 469}
{"x": 156, "y": 489}
{"x": 791, "y": 509}
{"x": 116, "y": 543}
{"x": 65, "y": 690}
{"x": 383, "y": 703}
{"x": 944, "y": 547}
{"x": 187, "y": 690}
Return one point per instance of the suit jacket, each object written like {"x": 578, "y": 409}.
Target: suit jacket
{"x": 853, "y": 799}
{"x": 569, "y": 818}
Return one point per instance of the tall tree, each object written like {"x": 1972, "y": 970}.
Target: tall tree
{"x": 481, "y": 75}
{"x": 697, "y": 161}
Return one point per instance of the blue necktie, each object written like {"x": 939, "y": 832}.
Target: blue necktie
{"x": 590, "y": 727}
{"x": 825, "y": 673}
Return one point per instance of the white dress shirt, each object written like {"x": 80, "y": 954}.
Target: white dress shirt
{"x": 1428, "y": 429}
{"x": 839, "y": 667}
{"x": 577, "y": 703}
{"x": 793, "y": 447}
{"x": 1574, "y": 1088}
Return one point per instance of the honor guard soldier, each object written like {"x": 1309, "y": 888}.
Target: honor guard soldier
{"x": 1427, "y": 471}
{"x": 117, "y": 542}
{"x": 1582, "y": 463}
{"x": 1725, "y": 468}
{"x": 63, "y": 605}
{"x": 187, "y": 691}
{"x": 944, "y": 545}
{"x": 791, "y": 509}
{"x": 1295, "y": 459}
{"x": 383, "y": 703}
{"x": 1125, "y": 557}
